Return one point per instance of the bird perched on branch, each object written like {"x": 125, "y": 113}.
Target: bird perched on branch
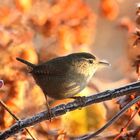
{"x": 64, "y": 77}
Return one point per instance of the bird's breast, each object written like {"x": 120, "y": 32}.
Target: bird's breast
{"x": 60, "y": 87}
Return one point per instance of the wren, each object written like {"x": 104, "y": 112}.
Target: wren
{"x": 63, "y": 77}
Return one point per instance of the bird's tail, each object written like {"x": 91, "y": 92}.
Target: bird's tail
{"x": 26, "y": 62}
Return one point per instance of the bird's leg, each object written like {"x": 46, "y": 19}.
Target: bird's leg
{"x": 80, "y": 100}
{"x": 48, "y": 107}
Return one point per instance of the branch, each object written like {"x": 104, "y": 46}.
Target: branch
{"x": 15, "y": 117}
{"x": 64, "y": 108}
{"x": 114, "y": 119}
{"x": 130, "y": 134}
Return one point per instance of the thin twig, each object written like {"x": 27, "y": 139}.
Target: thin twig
{"x": 126, "y": 126}
{"x": 15, "y": 117}
{"x": 130, "y": 134}
{"x": 115, "y": 118}
{"x": 64, "y": 108}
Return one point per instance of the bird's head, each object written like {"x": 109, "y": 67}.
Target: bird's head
{"x": 86, "y": 63}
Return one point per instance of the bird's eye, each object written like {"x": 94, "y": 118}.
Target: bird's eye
{"x": 90, "y": 61}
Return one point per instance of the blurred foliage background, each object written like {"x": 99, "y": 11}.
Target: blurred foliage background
{"x": 38, "y": 30}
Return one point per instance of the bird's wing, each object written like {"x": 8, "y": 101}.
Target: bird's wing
{"x": 55, "y": 67}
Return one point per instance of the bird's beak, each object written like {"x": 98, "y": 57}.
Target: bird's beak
{"x": 103, "y": 63}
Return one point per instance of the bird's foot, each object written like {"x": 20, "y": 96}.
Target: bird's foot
{"x": 50, "y": 114}
{"x": 80, "y": 100}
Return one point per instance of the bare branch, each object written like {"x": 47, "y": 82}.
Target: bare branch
{"x": 15, "y": 117}
{"x": 130, "y": 134}
{"x": 115, "y": 118}
{"x": 64, "y": 108}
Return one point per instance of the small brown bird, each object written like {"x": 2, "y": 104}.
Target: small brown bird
{"x": 64, "y": 77}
